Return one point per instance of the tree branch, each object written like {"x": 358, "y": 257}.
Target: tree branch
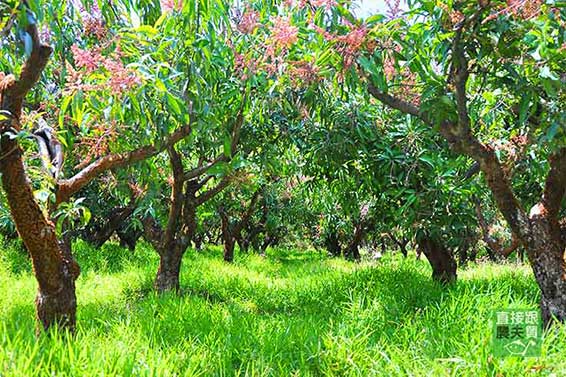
{"x": 14, "y": 94}
{"x": 395, "y": 103}
{"x": 198, "y": 171}
{"x": 67, "y": 187}
{"x": 212, "y": 192}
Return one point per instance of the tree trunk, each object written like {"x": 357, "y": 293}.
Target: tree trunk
{"x": 167, "y": 278}
{"x": 401, "y": 243}
{"x": 546, "y": 255}
{"x": 128, "y": 237}
{"x": 54, "y": 269}
{"x": 229, "y": 250}
{"x": 333, "y": 244}
{"x": 440, "y": 259}
{"x": 353, "y": 250}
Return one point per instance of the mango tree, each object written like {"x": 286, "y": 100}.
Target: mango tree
{"x": 476, "y": 72}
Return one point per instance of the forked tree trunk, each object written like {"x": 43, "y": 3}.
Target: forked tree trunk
{"x": 441, "y": 260}
{"x": 401, "y": 243}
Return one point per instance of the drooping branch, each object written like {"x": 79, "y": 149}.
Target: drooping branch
{"x": 68, "y": 187}
{"x": 459, "y": 134}
{"x": 395, "y": 102}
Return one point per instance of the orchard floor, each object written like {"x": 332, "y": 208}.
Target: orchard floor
{"x": 288, "y": 314}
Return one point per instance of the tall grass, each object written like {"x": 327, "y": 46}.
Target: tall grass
{"x": 292, "y": 313}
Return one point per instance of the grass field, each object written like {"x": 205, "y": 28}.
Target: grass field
{"x": 288, "y": 314}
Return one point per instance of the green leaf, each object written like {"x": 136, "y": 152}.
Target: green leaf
{"x": 227, "y": 146}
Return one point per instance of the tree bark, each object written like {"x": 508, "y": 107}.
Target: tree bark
{"x": 229, "y": 245}
{"x": 441, "y": 260}
{"x": 546, "y": 255}
{"x": 401, "y": 244}
{"x": 227, "y": 236}
{"x": 167, "y": 278}
{"x": 54, "y": 268}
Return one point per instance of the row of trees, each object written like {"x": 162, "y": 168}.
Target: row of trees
{"x": 209, "y": 121}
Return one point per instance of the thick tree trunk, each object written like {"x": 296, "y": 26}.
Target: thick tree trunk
{"x": 229, "y": 250}
{"x": 167, "y": 278}
{"x": 128, "y": 237}
{"x": 546, "y": 255}
{"x": 440, "y": 259}
{"x": 54, "y": 269}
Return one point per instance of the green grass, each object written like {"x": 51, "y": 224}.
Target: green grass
{"x": 289, "y": 314}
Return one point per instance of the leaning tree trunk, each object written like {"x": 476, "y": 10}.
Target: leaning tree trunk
{"x": 54, "y": 270}
{"x": 115, "y": 221}
{"x": 441, "y": 260}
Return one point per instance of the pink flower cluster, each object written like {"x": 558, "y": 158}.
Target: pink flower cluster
{"x": 248, "y": 22}
{"x": 348, "y": 45}
{"x": 454, "y": 16}
{"x": 315, "y": 3}
{"x": 283, "y": 34}
{"x": 90, "y": 60}
{"x": 93, "y": 23}
{"x": 171, "y": 5}
{"x": 244, "y": 66}
{"x": 524, "y": 9}
{"x": 303, "y": 72}
{"x": 92, "y": 20}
